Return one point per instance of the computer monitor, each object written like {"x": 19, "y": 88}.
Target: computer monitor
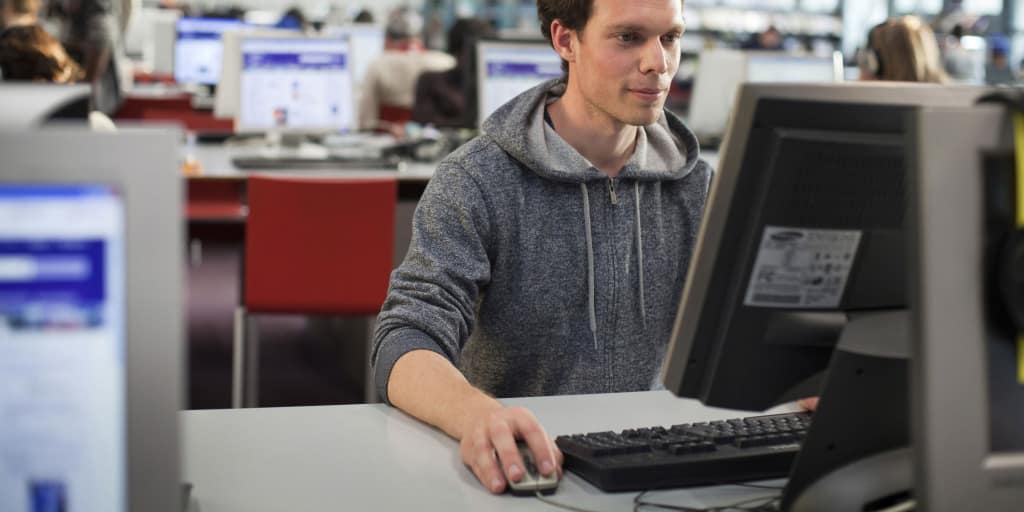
{"x": 367, "y": 42}
{"x": 91, "y": 325}
{"x": 296, "y": 84}
{"x": 158, "y": 46}
{"x": 31, "y": 105}
{"x": 505, "y": 69}
{"x": 721, "y": 71}
{"x": 968, "y": 371}
{"x": 197, "y": 50}
{"x": 225, "y": 103}
{"x": 802, "y": 249}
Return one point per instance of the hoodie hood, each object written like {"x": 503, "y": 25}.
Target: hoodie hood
{"x": 665, "y": 149}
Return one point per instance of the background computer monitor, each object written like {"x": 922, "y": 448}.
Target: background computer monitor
{"x": 225, "y": 103}
{"x": 158, "y": 47}
{"x": 31, "y": 105}
{"x": 367, "y": 42}
{"x": 966, "y": 377}
{"x": 91, "y": 324}
{"x": 505, "y": 69}
{"x": 295, "y": 84}
{"x": 814, "y": 255}
{"x": 198, "y": 48}
{"x": 721, "y": 71}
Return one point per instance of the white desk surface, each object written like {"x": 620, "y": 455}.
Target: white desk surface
{"x": 374, "y": 457}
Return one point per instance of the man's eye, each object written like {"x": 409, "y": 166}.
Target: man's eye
{"x": 628, "y": 37}
{"x": 670, "y": 38}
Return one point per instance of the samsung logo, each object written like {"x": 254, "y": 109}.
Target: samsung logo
{"x": 787, "y": 236}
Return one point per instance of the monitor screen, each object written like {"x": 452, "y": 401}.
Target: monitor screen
{"x": 776, "y": 67}
{"x": 506, "y": 69}
{"x": 721, "y": 71}
{"x": 296, "y": 84}
{"x": 62, "y": 348}
{"x": 197, "y": 51}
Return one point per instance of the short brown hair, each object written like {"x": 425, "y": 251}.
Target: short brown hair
{"x": 907, "y": 51}
{"x": 30, "y": 53}
{"x": 573, "y": 14}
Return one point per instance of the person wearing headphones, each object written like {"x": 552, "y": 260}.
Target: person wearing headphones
{"x": 902, "y": 49}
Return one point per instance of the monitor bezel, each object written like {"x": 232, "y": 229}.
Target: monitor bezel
{"x": 953, "y": 443}
{"x": 140, "y": 163}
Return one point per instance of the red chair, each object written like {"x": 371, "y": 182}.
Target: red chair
{"x": 391, "y": 115}
{"x": 315, "y": 247}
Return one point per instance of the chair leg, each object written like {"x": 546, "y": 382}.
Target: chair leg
{"x": 371, "y": 386}
{"x": 238, "y": 359}
{"x": 251, "y": 384}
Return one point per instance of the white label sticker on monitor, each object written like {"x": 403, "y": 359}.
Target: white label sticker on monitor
{"x": 801, "y": 268}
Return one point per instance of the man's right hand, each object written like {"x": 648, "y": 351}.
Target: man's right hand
{"x": 427, "y": 386}
{"x": 488, "y": 447}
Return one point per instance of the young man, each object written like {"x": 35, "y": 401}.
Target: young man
{"x": 548, "y": 255}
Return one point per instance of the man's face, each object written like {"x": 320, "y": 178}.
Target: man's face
{"x": 626, "y": 57}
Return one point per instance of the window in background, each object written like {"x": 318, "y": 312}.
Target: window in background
{"x": 983, "y": 7}
{"x": 826, "y": 6}
{"x": 858, "y": 18}
{"x": 918, "y": 6}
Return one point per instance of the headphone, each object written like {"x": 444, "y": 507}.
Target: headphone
{"x": 868, "y": 58}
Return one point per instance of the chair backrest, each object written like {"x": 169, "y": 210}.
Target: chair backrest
{"x": 318, "y": 246}
{"x": 394, "y": 114}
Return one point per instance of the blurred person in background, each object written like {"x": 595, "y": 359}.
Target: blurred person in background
{"x": 770, "y": 39}
{"x": 388, "y": 89}
{"x": 294, "y": 19}
{"x": 444, "y": 98}
{"x": 29, "y": 53}
{"x": 91, "y": 31}
{"x": 998, "y": 71}
{"x": 363, "y": 16}
{"x": 902, "y": 49}
{"x": 18, "y": 13}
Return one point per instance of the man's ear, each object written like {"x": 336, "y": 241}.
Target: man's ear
{"x": 564, "y": 40}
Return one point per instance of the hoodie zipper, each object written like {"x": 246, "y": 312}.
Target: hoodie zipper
{"x": 611, "y": 191}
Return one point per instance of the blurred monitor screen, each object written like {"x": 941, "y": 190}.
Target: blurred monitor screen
{"x": 62, "y": 348}
{"x": 367, "y": 43}
{"x": 296, "y": 84}
{"x": 506, "y": 69}
{"x": 721, "y": 72}
{"x": 197, "y": 51}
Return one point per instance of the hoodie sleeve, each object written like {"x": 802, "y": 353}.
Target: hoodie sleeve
{"x": 431, "y": 302}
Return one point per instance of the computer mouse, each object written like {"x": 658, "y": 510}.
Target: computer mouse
{"x": 532, "y": 482}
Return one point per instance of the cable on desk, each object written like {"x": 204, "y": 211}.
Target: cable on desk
{"x": 563, "y": 506}
{"x": 760, "y": 503}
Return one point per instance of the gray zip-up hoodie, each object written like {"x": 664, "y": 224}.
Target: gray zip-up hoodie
{"x": 535, "y": 273}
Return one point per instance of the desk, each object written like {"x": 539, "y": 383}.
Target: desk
{"x": 374, "y": 457}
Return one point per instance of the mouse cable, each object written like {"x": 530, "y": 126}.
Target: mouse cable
{"x": 563, "y": 506}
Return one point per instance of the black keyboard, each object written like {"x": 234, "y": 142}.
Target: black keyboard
{"x": 692, "y": 454}
{"x": 301, "y": 163}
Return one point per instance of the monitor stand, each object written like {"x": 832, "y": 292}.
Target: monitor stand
{"x": 856, "y": 456}
{"x": 286, "y": 144}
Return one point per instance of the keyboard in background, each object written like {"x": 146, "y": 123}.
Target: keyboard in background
{"x": 265, "y": 163}
{"x": 692, "y": 454}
